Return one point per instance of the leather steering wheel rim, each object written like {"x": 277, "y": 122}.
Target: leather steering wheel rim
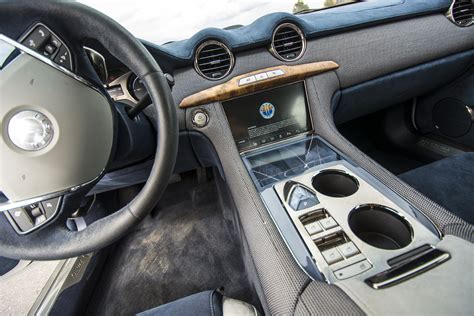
{"x": 57, "y": 242}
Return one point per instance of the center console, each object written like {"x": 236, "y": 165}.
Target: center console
{"x": 338, "y": 221}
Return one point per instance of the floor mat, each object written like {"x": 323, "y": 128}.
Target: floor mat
{"x": 186, "y": 248}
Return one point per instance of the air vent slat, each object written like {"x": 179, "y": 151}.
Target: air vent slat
{"x": 292, "y": 50}
{"x": 213, "y": 60}
{"x": 288, "y": 42}
{"x": 461, "y": 12}
{"x": 464, "y": 16}
{"x": 212, "y": 56}
{"x": 215, "y": 68}
{"x": 287, "y": 38}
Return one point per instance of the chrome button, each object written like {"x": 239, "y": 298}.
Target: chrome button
{"x": 30, "y": 130}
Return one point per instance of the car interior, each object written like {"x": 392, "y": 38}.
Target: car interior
{"x": 313, "y": 163}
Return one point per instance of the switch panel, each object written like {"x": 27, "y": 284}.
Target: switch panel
{"x": 44, "y": 41}
{"x": 29, "y": 217}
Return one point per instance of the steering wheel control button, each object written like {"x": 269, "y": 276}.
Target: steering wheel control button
{"x": 200, "y": 118}
{"x": 30, "y": 130}
{"x": 55, "y": 41}
{"x": 348, "y": 249}
{"x": 22, "y": 219}
{"x": 63, "y": 58}
{"x": 49, "y": 49}
{"x": 50, "y": 207}
{"x": 313, "y": 228}
{"x": 331, "y": 256}
{"x": 37, "y": 38}
{"x": 352, "y": 270}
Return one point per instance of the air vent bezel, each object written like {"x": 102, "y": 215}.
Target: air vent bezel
{"x": 450, "y": 16}
{"x": 228, "y": 51}
{"x": 300, "y": 33}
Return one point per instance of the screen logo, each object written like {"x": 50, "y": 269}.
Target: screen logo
{"x": 267, "y": 110}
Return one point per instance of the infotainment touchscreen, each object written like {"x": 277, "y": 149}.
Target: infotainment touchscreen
{"x": 268, "y": 116}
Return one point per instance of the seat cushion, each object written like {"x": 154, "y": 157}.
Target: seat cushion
{"x": 449, "y": 182}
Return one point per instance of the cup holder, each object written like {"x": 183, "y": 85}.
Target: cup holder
{"x": 335, "y": 183}
{"x": 380, "y": 227}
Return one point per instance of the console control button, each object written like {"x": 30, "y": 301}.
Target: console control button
{"x": 261, "y": 76}
{"x": 301, "y": 198}
{"x": 331, "y": 255}
{"x": 22, "y": 219}
{"x": 275, "y": 73}
{"x": 313, "y": 228}
{"x": 37, "y": 38}
{"x": 50, "y": 207}
{"x": 247, "y": 80}
{"x": 328, "y": 223}
{"x": 352, "y": 270}
{"x": 348, "y": 249}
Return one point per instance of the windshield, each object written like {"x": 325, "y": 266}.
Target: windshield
{"x": 164, "y": 21}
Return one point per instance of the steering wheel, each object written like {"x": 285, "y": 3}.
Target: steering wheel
{"x": 59, "y": 128}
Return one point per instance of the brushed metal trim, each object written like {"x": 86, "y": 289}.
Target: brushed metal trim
{"x": 300, "y": 33}
{"x": 339, "y": 209}
{"x": 67, "y": 273}
{"x": 426, "y": 266}
{"x": 213, "y": 42}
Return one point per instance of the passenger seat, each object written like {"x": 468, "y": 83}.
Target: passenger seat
{"x": 449, "y": 182}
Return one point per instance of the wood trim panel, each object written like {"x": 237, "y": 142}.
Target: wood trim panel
{"x": 232, "y": 89}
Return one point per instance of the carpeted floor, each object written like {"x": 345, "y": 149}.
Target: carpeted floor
{"x": 187, "y": 247}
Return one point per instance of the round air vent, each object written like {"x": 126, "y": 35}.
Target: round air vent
{"x": 461, "y": 12}
{"x": 213, "y": 60}
{"x": 288, "y": 42}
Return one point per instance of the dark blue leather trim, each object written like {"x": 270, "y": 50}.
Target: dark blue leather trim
{"x": 313, "y": 25}
{"x": 380, "y": 93}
